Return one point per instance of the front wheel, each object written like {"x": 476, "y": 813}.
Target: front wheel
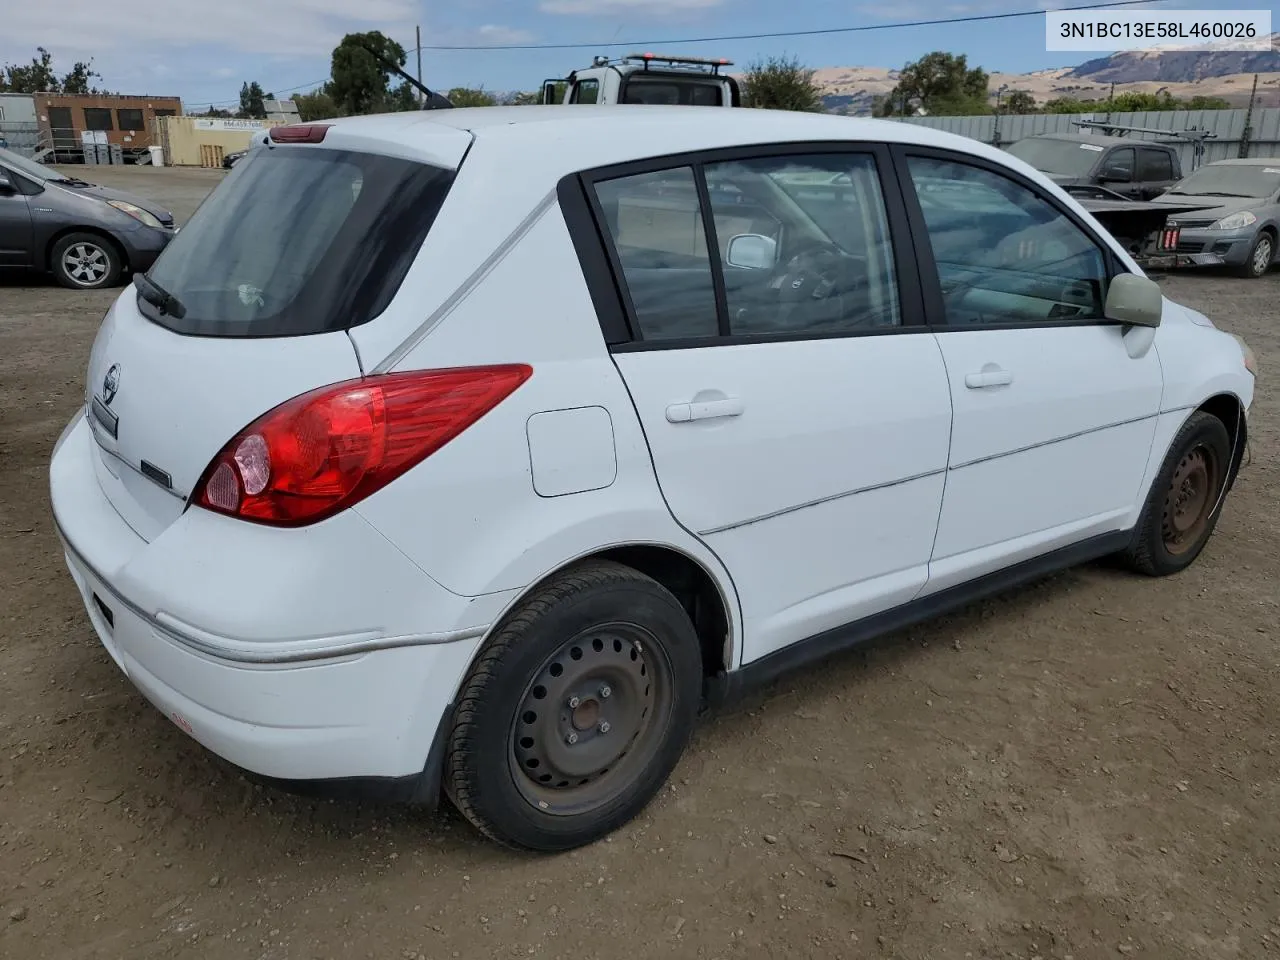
{"x": 1260, "y": 257}
{"x": 576, "y": 711}
{"x": 85, "y": 261}
{"x": 1185, "y": 501}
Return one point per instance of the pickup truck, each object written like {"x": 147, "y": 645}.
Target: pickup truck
{"x": 647, "y": 78}
{"x": 1133, "y": 169}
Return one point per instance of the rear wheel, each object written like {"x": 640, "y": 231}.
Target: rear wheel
{"x": 576, "y": 711}
{"x": 1185, "y": 501}
{"x": 1260, "y": 257}
{"x": 85, "y": 261}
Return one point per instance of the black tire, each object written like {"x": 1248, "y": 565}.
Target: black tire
{"x": 588, "y": 622}
{"x": 1259, "y": 262}
{"x": 100, "y": 263}
{"x": 1185, "y": 500}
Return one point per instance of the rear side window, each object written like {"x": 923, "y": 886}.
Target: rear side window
{"x": 1156, "y": 165}
{"x": 297, "y": 241}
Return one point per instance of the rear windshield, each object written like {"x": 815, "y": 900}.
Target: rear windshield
{"x": 670, "y": 91}
{"x": 297, "y": 240}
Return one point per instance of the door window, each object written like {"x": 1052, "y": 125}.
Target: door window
{"x": 586, "y": 91}
{"x": 831, "y": 270}
{"x": 1003, "y": 253}
{"x": 1155, "y": 165}
{"x": 802, "y": 247}
{"x": 1119, "y": 166}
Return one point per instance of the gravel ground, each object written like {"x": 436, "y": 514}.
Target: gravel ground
{"x": 1083, "y": 768}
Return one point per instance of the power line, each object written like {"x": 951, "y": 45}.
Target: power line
{"x": 774, "y": 35}
{"x": 825, "y": 31}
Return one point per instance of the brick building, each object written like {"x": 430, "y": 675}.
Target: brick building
{"x": 127, "y": 121}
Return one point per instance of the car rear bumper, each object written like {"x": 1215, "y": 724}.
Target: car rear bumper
{"x": 197, "y": 620}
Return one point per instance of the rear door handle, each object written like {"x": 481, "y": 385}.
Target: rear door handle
{"x": 988, "y": 378}
{"x": 704, "y": 410}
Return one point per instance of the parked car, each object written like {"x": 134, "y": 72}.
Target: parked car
{"x": 1241, "y": 228}
{"x": 399, "y": 472}
{"x": 87, "y": 236}
{"x": 1136, "y": 169}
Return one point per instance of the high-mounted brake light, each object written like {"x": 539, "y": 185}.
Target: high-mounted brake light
{"x": 300, "y": 133}
{"x": 323, "y": 451}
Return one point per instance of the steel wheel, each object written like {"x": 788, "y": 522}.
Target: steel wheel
{"x": 1191, "y": 498}
{"x": 587, "y": 722}
{"x": 86, "y": 263}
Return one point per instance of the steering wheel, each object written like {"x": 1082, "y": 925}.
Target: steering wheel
{"x": 811, "y": 276}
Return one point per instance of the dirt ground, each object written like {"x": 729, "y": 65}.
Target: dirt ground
{"x": 1084, "y": 768}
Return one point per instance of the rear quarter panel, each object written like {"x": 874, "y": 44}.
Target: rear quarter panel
{"x": 470, "y": 515}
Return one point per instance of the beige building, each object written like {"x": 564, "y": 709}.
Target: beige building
{"x": 204, "y": 141}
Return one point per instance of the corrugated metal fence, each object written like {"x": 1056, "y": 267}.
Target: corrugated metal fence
{"x": 1229, "y": 125}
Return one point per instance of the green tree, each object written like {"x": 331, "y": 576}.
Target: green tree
{"x": 251, "y": 97}
{"x": 467, "y": 97}
{"x": 79, "y": 79}
{"x": 942, "y": 84}
{"x": 316, "y": 105}
{"x": 1018, "y": 101}
{"x": 781, "y": 83}
{"x": 360, "y": 84}
{"x": 34, "y": 77}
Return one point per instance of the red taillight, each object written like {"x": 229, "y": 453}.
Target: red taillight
{"x": 1169, "y": 238}
{"x": 323, "y": 451}
{"x": 300, "y": 133}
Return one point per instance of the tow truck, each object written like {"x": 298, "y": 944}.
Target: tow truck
{"x": 647, "y": 78}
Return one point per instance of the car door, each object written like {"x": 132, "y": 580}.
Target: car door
{"x": 795, "y": 405}
{"x": 1053, "y": 417}
{"x": 1155, "y": 172}
{"x": 17, "y": 235}
{"x": 1118, "y": 172}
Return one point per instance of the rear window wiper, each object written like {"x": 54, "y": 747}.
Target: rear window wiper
{"x": 159, "y": 297}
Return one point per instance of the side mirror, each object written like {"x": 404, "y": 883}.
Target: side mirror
{"x": 549, "y": 92}
{"x": 1134, "y": 300}
{"x": 6, "y": 185}
{"x": 752, "y": 251}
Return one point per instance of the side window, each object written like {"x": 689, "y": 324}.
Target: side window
{"x": 1119, "y": 165}
{"x": 1155, "y": 165}
{"x": 1004, "y": 254}
{"x": 804, "y": 243}
{"x": 586, "y": 91}
{"x": 655, "y": 223}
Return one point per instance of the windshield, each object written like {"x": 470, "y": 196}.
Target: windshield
{"x": 295, "y": 241}
{"x": 1231, "y": 180}
{"x": 1066, "y": 158}
{"x": 28, "y": 168}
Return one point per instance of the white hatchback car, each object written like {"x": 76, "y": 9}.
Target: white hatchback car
{"x": 473, "y": 451}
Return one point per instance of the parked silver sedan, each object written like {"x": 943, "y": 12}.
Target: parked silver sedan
{"x": 1241, "y": 228}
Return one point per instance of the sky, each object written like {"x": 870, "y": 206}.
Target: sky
{"x": 202, "y": 51}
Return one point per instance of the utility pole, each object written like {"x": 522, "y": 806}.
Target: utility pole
{"x": 417, "y": 32}
{"x": 1247, "y": 133}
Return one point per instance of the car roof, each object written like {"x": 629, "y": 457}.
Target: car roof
{"x": 554, "y": 140}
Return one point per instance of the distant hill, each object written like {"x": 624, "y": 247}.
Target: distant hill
{"x": 1174, "y": 66}
{"x": 1226, "y": 74}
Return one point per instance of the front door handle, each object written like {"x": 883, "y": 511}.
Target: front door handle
{"x": 704, "y": 410}
{"x": 988, "y": 378}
